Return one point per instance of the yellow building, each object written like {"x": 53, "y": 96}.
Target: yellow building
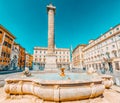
{"x": 6, "y": 43}
{"x": 29, "y": 60}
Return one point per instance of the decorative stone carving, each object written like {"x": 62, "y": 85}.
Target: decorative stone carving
{"x": 62, "y": 73}
{"x": 55, "y": 91}
{"x": 26, "y": 72}
{"x": 107, "y": 81}
{"x": 91, "y": 70}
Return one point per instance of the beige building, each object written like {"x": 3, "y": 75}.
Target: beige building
{"x": 39, "y": 57}
{"x": 28, "y": 60}
{"x": 77, "y": 57}
{"x": 104, "y": 51}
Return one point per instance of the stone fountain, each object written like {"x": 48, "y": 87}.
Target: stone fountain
{"x": 57, "y": 87}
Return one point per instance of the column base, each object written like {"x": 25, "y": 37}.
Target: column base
{"x": 51, "y": 64}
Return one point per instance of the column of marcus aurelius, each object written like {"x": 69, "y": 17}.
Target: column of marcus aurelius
{"x": 51, "y": 57}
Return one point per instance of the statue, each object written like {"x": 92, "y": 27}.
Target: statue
{"x": 26, "y": 72}
{"x": 62, "y": 73}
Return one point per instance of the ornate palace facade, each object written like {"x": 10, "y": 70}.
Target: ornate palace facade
{"x": 103, "y": 51}
{"x": 62, "y": 57}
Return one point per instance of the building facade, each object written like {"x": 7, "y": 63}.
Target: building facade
{"x": 14, "y": 57}
{"x": 28, "y": 61}
{"x": 6, "y": 43}
{"x": 77, "y": 57}
{"x": 104, "y": 52}
{"x": 21, "y": 56}
{"x": 62, "y": 57}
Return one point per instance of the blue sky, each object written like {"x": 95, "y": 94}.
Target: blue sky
{"x": 76, "y": 21}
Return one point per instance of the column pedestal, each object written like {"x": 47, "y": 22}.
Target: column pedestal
{"x": 51, "y": 63}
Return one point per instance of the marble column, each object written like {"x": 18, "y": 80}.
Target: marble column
{"x": 51, "y": 12}
{"x": 51, "y": 56}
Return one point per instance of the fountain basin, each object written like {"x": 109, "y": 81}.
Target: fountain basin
{"x": 55, "y": 90}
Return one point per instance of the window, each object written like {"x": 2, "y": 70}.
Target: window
{"x": 113, "y": 46}
{"x": 117, "y": 28}
{"x": 5, "y": 43}
{"x": 8, "y": 55}
{"x": 108, "y": 54}
{"x": 9, "y": 45}
{"x": 8, "y": 37}
{"x": 115, "y": 54}
{"x": 0, "y": 32}
{"x": 110, "y": 32}
{"x": 111, "y": 39}
{"x": 106, "y": 48}
{"x": 117, "y": 66}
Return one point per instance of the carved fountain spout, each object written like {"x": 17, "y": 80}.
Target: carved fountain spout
{"x": 62, "y": 73}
